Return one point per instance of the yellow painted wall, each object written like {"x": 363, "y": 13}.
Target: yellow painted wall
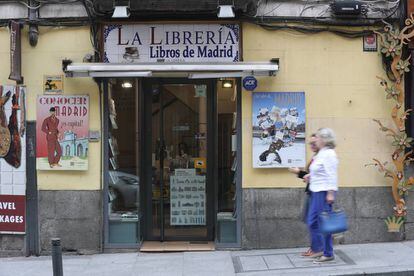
{"x": 342, "y": 92}
{"x": 338, "y": 78}
{"x": 54, "y": 45}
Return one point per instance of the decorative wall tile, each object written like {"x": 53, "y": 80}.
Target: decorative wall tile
{"x": 19, "y": 190}
{"x": 6, "y": 178}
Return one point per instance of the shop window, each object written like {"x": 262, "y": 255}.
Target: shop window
{"x": 227, "y": 161}
{"x": 124, "y": 184}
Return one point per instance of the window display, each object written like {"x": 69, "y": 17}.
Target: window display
{"x": 123, "y": 180}
{"x": 227, "y": 163}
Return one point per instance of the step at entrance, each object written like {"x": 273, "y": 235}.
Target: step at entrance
{"x": 176, "y": 246}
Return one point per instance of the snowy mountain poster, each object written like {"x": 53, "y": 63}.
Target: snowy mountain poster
{"x": 62, "y": 132}
{"x": 278, "y": 121}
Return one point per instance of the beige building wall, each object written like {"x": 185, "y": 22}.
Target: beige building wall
{"x": 54, "y": 45}
{"x": 339, "y": 80}
{"x": 342, "y": 92}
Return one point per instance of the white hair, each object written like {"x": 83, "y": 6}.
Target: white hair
{"x": 327, "y": 135}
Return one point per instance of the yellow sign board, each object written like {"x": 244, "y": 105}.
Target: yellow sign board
{"x": 53, "y": 84}
{"x": 200, "y": 163}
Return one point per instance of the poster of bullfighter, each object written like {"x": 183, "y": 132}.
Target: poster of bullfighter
{"x": 278, "y": 121}
{"x": 62, "y": 132}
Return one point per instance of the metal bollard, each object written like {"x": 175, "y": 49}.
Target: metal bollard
{"x": 57, "y": 257}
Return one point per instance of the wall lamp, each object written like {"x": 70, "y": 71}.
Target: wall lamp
{"x": 227, "y": 83}
{"x": 121, "y": 9}
{"x": 225, "y": 11}
{"x": 126, "y": 84}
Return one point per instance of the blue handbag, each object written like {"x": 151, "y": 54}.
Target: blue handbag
{"x": 333, "y": 222}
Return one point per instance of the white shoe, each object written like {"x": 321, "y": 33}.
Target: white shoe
{"x": 324, "y": 259}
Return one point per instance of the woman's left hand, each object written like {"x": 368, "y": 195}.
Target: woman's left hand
{"x": 294, "y": 170}
{"x": 330, "y": 197}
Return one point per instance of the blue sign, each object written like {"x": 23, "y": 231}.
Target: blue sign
{"x": 250, "y": 83}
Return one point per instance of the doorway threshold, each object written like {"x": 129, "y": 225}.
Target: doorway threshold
{"x": 176, "y": 246}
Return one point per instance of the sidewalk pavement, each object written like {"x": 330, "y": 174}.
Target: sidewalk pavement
{"x": 358, "y": 259}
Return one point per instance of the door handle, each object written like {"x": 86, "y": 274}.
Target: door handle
{"x": 160, "y": 149}
{"x": 163, "y": 149}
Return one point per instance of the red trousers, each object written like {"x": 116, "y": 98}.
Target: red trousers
{"x": 54, "y": 152}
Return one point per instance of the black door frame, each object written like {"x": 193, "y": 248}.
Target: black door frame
{"x": 146, "y": 171}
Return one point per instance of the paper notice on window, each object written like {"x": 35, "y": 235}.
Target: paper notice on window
{"x": 188, "y": 200}
{"x": 184, "y": 172}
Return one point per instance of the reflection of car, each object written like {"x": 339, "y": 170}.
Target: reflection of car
{"x": 124, "y": 189}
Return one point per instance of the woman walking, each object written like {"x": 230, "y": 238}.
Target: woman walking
{"x": 323, "y": 185}
{"x": 301, "y": 173}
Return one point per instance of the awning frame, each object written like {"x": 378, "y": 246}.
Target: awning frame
{"x": 190, "y": 70}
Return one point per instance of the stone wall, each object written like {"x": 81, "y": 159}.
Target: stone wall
{"x": 73, "y": 216}
{"x": 12, "y": 245}
{"x": 272, "y": 217}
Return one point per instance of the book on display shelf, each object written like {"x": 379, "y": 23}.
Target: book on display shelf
{"x": 114, "y": 163}
{"x": 112, "y": 109}
{"x": 113, "y": 145}
{"x": 113, "y": 178}
{"x": 234, "y": 165}
{"x": 113, "y": 121}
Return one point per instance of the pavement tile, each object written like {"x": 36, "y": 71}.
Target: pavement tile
{"x": 409, "y": 244}
{"x": 268, "y": 251}
{"x": 24, "y": 269}
{"x": 354, "y": 259}
{"x": 107, "y": 270}
{"x": 252, "y": 263}
{"x": 124, "y": 258}
{"x": 298, "y": 261}
{"x": 279, "y": 261}
{"x": 207, "y": 263}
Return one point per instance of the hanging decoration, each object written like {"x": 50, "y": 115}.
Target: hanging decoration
{"x": 392, "y": 41}
{"x": 12, "y": 159}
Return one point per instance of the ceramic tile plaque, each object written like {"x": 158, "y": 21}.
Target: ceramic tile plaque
{"x": 135, "y": 43}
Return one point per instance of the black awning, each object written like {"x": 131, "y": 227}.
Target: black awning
{"x": 179, "y": 6}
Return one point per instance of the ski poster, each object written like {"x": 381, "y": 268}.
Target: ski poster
{"x": 62, "y": 132}
{"x": 278, "y": 121}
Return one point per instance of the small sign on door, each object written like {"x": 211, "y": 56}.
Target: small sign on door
{"x": 200, "y": 91}
{"x": 200, "y": 163}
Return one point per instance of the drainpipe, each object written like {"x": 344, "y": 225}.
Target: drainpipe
{"x": 33, "y": 27}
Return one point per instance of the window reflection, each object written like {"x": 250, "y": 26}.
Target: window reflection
{"x": 123, "y": 185}
{"x": 227, "y": 161}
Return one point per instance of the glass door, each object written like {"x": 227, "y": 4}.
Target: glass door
{"x": 182, "y": 199}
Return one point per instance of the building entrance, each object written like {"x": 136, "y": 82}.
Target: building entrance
{"x": 171, "y": 161}
{"x": 178, "y": 152}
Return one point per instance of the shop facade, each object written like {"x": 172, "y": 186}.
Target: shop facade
{"x": 183, "y": 91}
{"x": 171, "y": 157}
